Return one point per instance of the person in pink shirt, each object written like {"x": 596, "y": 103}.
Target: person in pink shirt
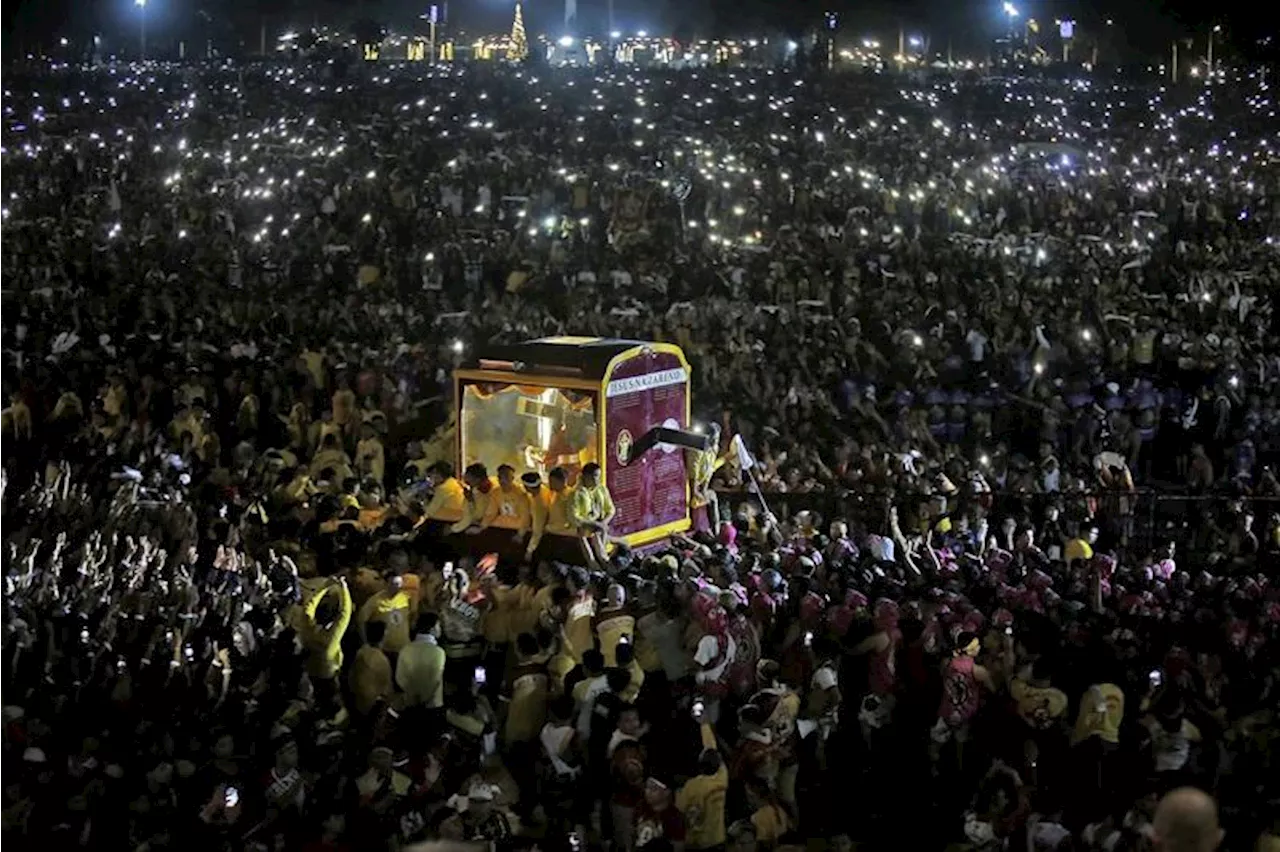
{"x": 961, "y": 677}
{"x": 882, "y": 646}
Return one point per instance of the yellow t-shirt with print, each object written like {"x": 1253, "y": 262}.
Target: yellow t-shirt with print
{"x": 701, "y": 800}
{"x": 611, "y": 629}
{"x": 1039, "y": 707}
{"x": 508, "y": 603}
{"x": 508, "y": 508}
{"x": 770, "y": 823}
{"x": 394, "y": 609}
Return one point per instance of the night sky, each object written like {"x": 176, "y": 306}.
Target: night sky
{"x": 1141, "y": 28}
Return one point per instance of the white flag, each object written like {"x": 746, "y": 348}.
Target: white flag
{"x": 745, "y": 461}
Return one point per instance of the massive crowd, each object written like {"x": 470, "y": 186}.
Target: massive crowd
{"x": 989, "y": 313}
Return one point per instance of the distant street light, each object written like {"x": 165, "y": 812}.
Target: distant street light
{"x": 615, "y": 34}
{"x": 566, "y": 41}
{"x": 142, "y": 27}
{"x": 915, "y": 41}
{"x": 642, "y": 34}
{"x": 1011, "y": 10}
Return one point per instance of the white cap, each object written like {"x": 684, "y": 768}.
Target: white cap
{"x": 481, "y": 792}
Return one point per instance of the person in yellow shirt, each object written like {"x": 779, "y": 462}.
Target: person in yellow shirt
{"x": 298, "y": 426}
{"x": 768, "y": 817}
{"x": 527, "y": 711}
{"x": 591, "y": 511}
{"x": 481, "y": 491}
{"x": 535, "y": 520}
{"x": 420, "y": 666}
{"x": 702, "y": 465}
{"x": 391, "y": 608}
{"x": 1039, "y": 704}
{"x": 314, "y": 362}
{"x": 448, "y": 500}
{"x": 580, "y": 609}
{"x": 508, "y": 504}
{"x": 371, "y": 671}
{"x": 1101, "y": 711}
{"x": 702, "y": 797}
{"x": 344, "y": 406}
{"x": 1081, "y": 547}
{"x": 17, "y": 420}
{"x": 370, "y": 455}
{"x": 331, "y": 456}
{"x": 323, "y": 626}
{"x": 613, "y": 623}
{"x": 560, "y": 503}
{"x": 320, "y": 429}
{"x": 509, "y": 604}
{"x": 625, "y": 658}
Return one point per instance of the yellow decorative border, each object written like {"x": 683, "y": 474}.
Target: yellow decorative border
{"x": 646, "y": 536}
{"x": 652, "y": 534}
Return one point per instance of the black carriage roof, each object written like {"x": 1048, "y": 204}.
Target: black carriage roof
{"x": 588, "y": 357}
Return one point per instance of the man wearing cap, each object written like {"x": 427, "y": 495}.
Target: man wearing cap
{"x": 613, "y": 623}
{"x": 381, "y": 786}
{"x": 534, "y": 521}
{"x": 477, "y": 817}
{"x": 591, "y": 512}
{"x": 657, "y": 817}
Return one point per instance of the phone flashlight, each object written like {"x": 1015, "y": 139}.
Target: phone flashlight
{"x": 84, "y": 635}
{"x": 698, "y": 707}
{"x": 1156, "y": 677}
{"x": 480, "y": 676}
{"x": 624, "y": 639}
{"x": 808, "y": 638}
{"x": 188, "y": 652}
{"x": 232, "y": 797}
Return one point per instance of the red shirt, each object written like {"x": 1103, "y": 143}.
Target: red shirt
{"x": 650, "y": 824}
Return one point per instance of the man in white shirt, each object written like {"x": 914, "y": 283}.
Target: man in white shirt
{"x": 587, "y": 690}
{"x": 977, "y": 343}
{"x": 420, "y": 667}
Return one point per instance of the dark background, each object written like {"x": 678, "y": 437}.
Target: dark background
{"x": 1140, "y": 29}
